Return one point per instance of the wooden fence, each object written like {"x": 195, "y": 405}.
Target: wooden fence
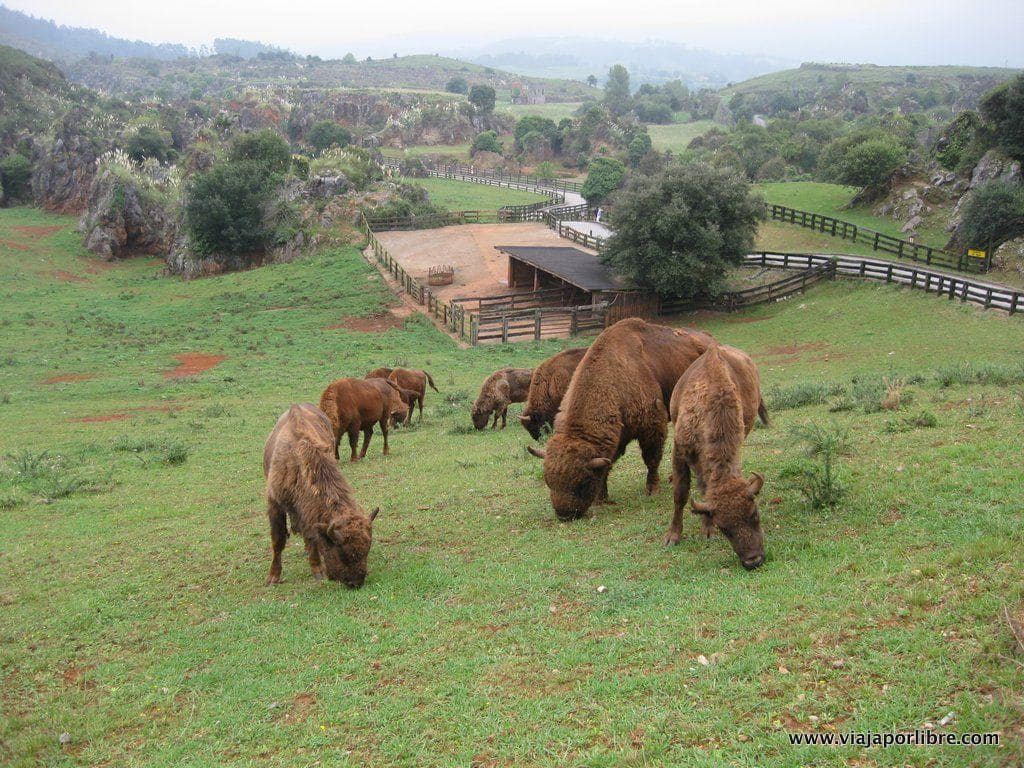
{"x": 461, "y": 172}
{"x": 546, "y": 297}
{"x": 731, "y": 301}
{"x": 904, "y": 249}
{"x": 539, "y": 323}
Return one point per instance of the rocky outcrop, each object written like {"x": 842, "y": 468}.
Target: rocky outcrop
{"x": 327, "y": 186}
{"x": 64, "y": 168}
{"x": 1010, "y": 255}
{"x": 125, "y": 217}
{"x": 995, "y": 165}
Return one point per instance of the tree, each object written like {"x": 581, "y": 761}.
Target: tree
{"x": 15, "y": 173}
{"x": 225, "y": 208}
{"x": 147, "y": 141}
{"x": 863, "y": 163}
{"x": 457, "y": 85}
{"x": 546, "y": 171}
{"x": 483, "y": 98}
{"x": 994, "y": 213}
{"x": 679, "y": 231}
{"x": 327, "y": 133}
{"x": 534, "y": 124}
{"x": 604, "y": 177}
{"x": 1003, "y": 112}
{"x": 486, "y": 142}
{"x": 638, "y": 146}
{"x": 349, "y": 59}
{"x": 616, "y": 90}
{"x": 265, "y": 147}
{"x": 592, "y": 81}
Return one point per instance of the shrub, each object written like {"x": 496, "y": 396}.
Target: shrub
{"x": 147, "y": 141}
{"x": 457, "y": 85}
{"x": 922, "y": 420}
{"x": 354, "y": 163}
{"x": 225, "y": 208}
{"x": 679, "y": 231}
{"x": 994, "y": 213}
{"x": 483, "y": 98}
{"x": 1002, "y": 109}
{"x": 816, "y": 477}
{"x": 327, "y": 133}
{"x": 868, "y": 163}
{"x": 603, "y": 178}
{"x": 546, "y": 171}
{"x": 15, "y": 174}
{"x": 486, "y": 142}
{"x": 265, "y": 147}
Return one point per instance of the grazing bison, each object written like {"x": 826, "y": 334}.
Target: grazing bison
{"x": 619, "y": 393}
{"x": 355, "y": 405}
{"x": 411, "y": 380}
{"x": 305, "y": 484}
{"x": 547, "y": 388}
{"x": 499, "y": 390}
{"x": 714, "y": 405}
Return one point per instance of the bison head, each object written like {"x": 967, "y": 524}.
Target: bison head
{"x": 574, "y": 473}
{"x": 480, "y": 416}
{"x": 731, "y": 507}
{"x": 344, "y": 546}
{"x": 533, "y": 423}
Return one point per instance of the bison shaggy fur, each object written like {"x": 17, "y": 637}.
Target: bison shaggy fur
{"x": 714, "y": 406}
{"x": 355, "y": 405}
{"x": 305, "y": 486}
{"x": 499, "y": 390}
{"x": 619, "y": 393}
{"x": 548, "y": 385}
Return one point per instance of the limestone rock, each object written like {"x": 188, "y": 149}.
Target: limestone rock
{"x": 124, "y": 217}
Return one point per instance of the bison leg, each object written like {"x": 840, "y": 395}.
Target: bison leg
{"x": 278, "y": 517}
{"x": 504, "y": 415}
{"x": 313, "y": 553}
{"x": 419, "y": 399}
{"x": 651, "y": 446}
{"x": 367, "y": 434}
{"x": 353, "y": 441}
{"x": 494, "y": 421}
{"x": 680, "y": 493}
{"x": 602, "y": 491}
{"x": 384, "y": 431}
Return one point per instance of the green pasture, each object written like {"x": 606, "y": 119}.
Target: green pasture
{"x": 677, "y": 136}
{"x": 469, "y": 196}
{"x": 135, "y": 544}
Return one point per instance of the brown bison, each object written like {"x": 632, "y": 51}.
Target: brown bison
{"x": 305, "y": 485}
{"x": 547, "y": 388}
{"x": 410, "y": 381}
{"x": 499, "y": 390}
{"x": 355, "y": 405}
{"x": 714, "y": 405}
{"x": 619, "y": 393}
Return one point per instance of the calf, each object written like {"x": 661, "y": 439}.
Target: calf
{"x": 355, "y": 405}
{"x": 413, "y": 381}
{"x": 548, "y": 385}
{"x": 305, "y": 485}
{"x": 499, "y": 390}
{"x": 714, "y": 405}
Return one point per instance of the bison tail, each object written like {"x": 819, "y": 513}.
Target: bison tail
{"x": 762, "y": 412}
{"x": 429, "y": 379}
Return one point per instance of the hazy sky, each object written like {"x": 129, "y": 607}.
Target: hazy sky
{"x": 889, "y": 32}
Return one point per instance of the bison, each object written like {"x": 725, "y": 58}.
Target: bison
{"x": 714, "y": 406}
{"x": 414, "y": 382}
{"x": 355, "y": 405}
{"x": 499, "y": 390}
{"x": 305, "y": 485}
{"x": 547, "y": 388}
{"x": 619, "y": 393}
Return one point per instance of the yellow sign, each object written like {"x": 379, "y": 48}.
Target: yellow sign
{"x": 975, "y": 253}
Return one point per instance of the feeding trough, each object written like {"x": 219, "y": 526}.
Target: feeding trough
{"x": 441, "y": 274}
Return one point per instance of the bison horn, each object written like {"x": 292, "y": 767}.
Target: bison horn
{"x": 540, "y": 454}
{"x": 525, "y": 419}
{"x": 599, "y": 463}
{"x": 755, "y": 483}
{"x": 701, "y": 508}
{"x": 373, "y": 515}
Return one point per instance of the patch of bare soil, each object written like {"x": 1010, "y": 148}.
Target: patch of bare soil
{"x": 67, "y": 277}
{"x": 793, "y": 350}
{"x": 103, "y": 418}
{"x": 65, "y": 378}
{"x": 300, "y": 708}
{"x": 38, "y": 231}
{"x": 192, "y": 364}
{"x": 375, "y": 323}
{"x": 13, "y": 245}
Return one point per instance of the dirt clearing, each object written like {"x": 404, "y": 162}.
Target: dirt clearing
{"x": 192, "y": 364}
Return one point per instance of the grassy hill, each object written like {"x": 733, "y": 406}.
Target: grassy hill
{"x": 135, "y": 541}
{"x": 33, "y": 93}
{"x": 864, "y": 88}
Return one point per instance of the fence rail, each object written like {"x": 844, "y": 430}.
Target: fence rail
{"x": 904, "y": 249}
{"x": 461, "y": 172}
{"x": 731, "y": 301}
{"x": 539, "y": 323}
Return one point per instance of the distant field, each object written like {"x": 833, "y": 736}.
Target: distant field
{"x": 831, "y": 199}
{"x": 554, "y": 111}
{"x": 460, "y": 151}
{"x": 676, "y": 136}
{"x": 467, "y": 196}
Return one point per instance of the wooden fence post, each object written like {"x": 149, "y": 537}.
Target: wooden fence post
{"x": 536, "y": 324}
{"x": 573, "y": 322}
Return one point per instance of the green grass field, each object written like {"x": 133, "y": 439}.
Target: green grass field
{"x": 676, "y": 136}
{"x": 460, "y": 151}
{"x": 467, "y": 196}
{"x": 554, "y": 110}
{"x": 135, "y": 544}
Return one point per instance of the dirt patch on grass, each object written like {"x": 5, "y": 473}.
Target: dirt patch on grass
{"x": 300, "y": 708}
{"x": 13, "y": 245}
{"x": 375, "y": 323}
{"x": 103, "y": 418}
{"x": 192, "y": 364}
{"x": 794, "y": 350}
{"x": 65, "y": 378}
{"x": 38, "y": 231}
{"x": 67, "y": 277}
